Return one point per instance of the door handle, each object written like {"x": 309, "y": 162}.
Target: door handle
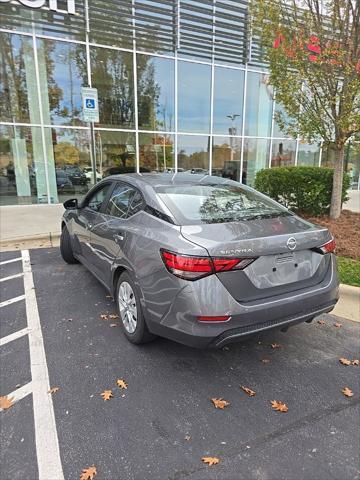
{"x": 118, "y": 237}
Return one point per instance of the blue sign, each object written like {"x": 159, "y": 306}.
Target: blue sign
{"x": 90, "y": 103}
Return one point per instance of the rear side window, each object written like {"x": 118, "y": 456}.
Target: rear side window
{"x": 96, "y": 200}
{"x": 196, "y": 204}
{"x": 124, "y": 202}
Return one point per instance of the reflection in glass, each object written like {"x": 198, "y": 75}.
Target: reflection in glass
{"x": 115, "y": 152}
{"x": 258, "y": 105}
{"x": 228, "y": 101}
{"x": 226, "y": 157}
{"x": 156, "y": 152}
{"x": 193, "y": 153}
{"x": 62, "y": 74}
{"x": 256, "y": 157}
{"x": 194, "y": 97}
{"x": 277, "y": 132}
{"x": 308, "y": 154}
{"x": 22, "y": 170}
{"x": 18, "y": 90}
{"x": 112, "y": 75}
{"x": 71, "y": 154}
{"x": 283, "y": 153}
{"x": 155, "y": 77}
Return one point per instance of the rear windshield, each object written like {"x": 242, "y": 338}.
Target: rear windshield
{"x": 194, "y": 204}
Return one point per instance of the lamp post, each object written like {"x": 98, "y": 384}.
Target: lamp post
{"x": 232, "y": 131}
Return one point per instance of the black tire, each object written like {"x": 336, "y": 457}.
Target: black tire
{"x": 66, "y": 248}
{"x": 141, "y": 333}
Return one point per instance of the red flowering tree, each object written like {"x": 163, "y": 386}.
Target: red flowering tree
{"x": 313, "y": 51}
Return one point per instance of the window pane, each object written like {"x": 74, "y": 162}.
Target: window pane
{"x": 308, "y": 154}
{"x": 71, "y": 154}
{"x": 120, "y": 200}
{"x": 22, "y": 170}
{"x": 95, "y": 201}
{"x": 194, "y": 97}
{"x": 18, "y": 90}
{"x": 258, "y": 105}
{"x": 112, "y": 75}
{"x": 226, "y": 157}
{"x": 62, "y": 69}
{"x": 283, "y": 153}
{"x": 115, "y": 152}
{"x": 156, "y": 152}
{"x": 228, "y": 101}
{"x": 155, "y": 77}
{"x": 277, "y": 130}
{"x": 256, "y": 157}
{"x": 193, "y": 153}
{"x": 111, "y": 23}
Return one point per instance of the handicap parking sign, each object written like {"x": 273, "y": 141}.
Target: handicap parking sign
{"x": 90, "y": 104}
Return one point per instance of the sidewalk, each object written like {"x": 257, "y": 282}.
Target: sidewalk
{"x": 353, "y": 203}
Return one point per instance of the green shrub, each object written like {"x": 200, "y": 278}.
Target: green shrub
{"x": 302, "y": 189}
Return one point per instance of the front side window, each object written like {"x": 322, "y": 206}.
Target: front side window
{"x": 96, "y": 201}
{"x": 124, "y": 202}
{"x": 212, "y": 203}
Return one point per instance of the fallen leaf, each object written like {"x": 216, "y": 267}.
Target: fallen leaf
{"x": 344, "y": 361}
{"x": 265, "y": 360}
{"x": 6, "y": 402}
{"x": 275, "y": 345}
{"x": 88, "y": 473}
{"x": 210, "y": 460}
{"x": 279, "y": 406}
{"x": 247, "y": 390}
{"x": 107, "y": 394}
{"x": 347, "y": 392}
{"x": 53, "y": 390}
{"x": 121, "y": 383}
{"x": 113, "y": 316}
{"x": 113, "y": 324}
{"x": 321, "y": 322}
{"x": 355, "y": 362}
{"x": 220, "y": 403}
{"x": 338, "y": 325}
{"x": 187, "y": 438}
{"x": 103, "y": 316}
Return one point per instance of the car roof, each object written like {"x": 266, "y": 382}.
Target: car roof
{"x": 164, "y": 179}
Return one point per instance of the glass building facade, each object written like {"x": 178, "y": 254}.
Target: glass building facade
{"x": 181, "y": 87}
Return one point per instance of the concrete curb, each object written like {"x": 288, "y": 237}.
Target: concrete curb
{"x": 50, "y": 239}
{"x": 348, "y": 305}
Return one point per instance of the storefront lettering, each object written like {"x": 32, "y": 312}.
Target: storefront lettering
{"x": 53, "y": 4}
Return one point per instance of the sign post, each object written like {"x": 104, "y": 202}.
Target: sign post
{"x": 91, "y": 114}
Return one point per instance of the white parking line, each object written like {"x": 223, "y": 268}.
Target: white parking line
{"x": 12, "y": 300}
{"x": 11, "y": 277}
{"x": 4, "y": 262}
{"x": 47, "y": 445}
{"x": 13, "y": 336}
{"x": 20, "y": 393}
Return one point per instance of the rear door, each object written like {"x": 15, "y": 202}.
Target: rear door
{"x": 109, "y": 234}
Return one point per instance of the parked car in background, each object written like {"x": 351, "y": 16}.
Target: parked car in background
{"x": 63, "y": 182}
{"x": 76, "y": 175}
{"x": 89, "y": 174}
{"x": 199, "y": 259}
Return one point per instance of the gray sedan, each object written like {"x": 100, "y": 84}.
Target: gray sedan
{"x": 198, "y": 259}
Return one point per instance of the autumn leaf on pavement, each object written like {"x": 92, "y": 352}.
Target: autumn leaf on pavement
{"x": 210, "y": 460}
{"x": 220, "y": 403}
{"x": 121, "y": 383}
{"x": 113, "y": 325}
{"x": 337, "y": 325}
{"x": 344, "y": 361}
{"x": 355, "y": 362}
{"x": 275, "y": 345}
{"x": 113, "y": 316}
{"x": 88, "y": 473}
{"x": 347, "y": 392}
{"x": 265, "y": 360}
{"x": 107, "y": 394}
{"x": 6, "y": 402}
{"x": 187, "y": 438}
{"x": 104, "y": 316}
{"x": 247, "y": 390}
{"x": 321, "y": 322}
{"x": 279, "y": 406}
{"x": 53, "y": 390}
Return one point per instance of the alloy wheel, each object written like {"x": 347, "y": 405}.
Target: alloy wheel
{"x": 127, "y": 307}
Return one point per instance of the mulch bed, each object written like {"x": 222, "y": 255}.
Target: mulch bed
{"x": 346, "y": 230}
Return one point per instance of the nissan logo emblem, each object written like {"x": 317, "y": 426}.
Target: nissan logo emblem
{"x": 291, "y": 243}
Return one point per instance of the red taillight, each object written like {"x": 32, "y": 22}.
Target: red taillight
{"x": 329, "y": 247}
{"x": 193, "y": 268}
{"x": 219, "y": 318}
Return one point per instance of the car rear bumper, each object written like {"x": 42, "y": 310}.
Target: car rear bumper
{"x": 209, "y": 297}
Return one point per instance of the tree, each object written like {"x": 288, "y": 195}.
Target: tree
{"x": 313, "y": 51}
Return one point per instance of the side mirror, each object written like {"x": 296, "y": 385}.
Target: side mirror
{"x": 70, "y": 204}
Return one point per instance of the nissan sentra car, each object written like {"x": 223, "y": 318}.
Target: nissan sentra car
{"x": 199, "y": 259}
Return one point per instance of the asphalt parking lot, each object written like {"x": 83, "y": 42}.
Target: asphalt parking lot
{"x": 164, "y": 422}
